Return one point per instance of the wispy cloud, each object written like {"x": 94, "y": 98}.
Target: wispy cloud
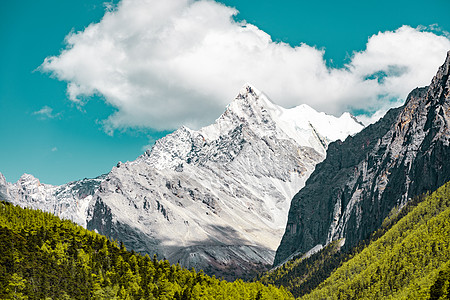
{"x": 54, "y": 149}
{"x": 167, "y": 63}
{"x": 46, "y": 112}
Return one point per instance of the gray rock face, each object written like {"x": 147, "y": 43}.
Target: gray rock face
{"x": 362, "y": 179}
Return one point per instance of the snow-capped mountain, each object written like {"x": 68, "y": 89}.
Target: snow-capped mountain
{"x": 216, "y": 198}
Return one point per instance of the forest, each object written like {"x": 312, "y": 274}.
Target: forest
{"x": 44, "y": 257}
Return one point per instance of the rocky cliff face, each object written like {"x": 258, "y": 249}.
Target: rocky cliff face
{"x": 363, "y": 178}
{"x": 214, "y": 199}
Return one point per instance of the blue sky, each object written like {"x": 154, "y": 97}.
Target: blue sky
{"x": 60, "y": 137}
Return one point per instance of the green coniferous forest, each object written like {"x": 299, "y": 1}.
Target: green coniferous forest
{"x": 300, "y": 276}
{"x": 43, "y": 257}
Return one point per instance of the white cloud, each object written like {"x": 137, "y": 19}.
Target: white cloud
{"x": 167, "y": 63}
{"x": 369, "y": 118}
{"x": 46, "y": 112}
{"x": 54, "y": 149}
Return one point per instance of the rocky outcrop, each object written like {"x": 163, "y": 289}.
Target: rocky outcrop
{"x": 405, "y": 154}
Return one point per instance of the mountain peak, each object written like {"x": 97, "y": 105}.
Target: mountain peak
{"x": 444, "y": 70}
{"x": 440, "y": 85}
{"x": 246, "y": 89}
{"x": 265, "y": 118}
{"x": 27, "y": 177}
{"x": 447, "y": 62}
{"x": 2, "y": 180}
{"x": 29, "y": 181}
{"x": 249, "y": 96}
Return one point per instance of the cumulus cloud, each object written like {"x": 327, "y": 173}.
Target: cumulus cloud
{"x": 46, "y": 112}
{"x": 162, "y": 64}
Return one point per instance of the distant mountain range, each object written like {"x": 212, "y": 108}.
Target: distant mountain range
{"x": 215, "y": 199}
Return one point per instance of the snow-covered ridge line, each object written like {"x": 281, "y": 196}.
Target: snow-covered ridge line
{"x": 305, "y": 126}
{"x": 293, "y": 122}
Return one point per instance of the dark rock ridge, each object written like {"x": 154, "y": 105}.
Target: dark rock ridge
{"x": 362, "y": 179}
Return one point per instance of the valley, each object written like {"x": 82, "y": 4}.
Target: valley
{"x": 264, "y": 203}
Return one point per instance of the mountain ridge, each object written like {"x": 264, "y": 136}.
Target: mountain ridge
{"x": 404, "y": 154}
